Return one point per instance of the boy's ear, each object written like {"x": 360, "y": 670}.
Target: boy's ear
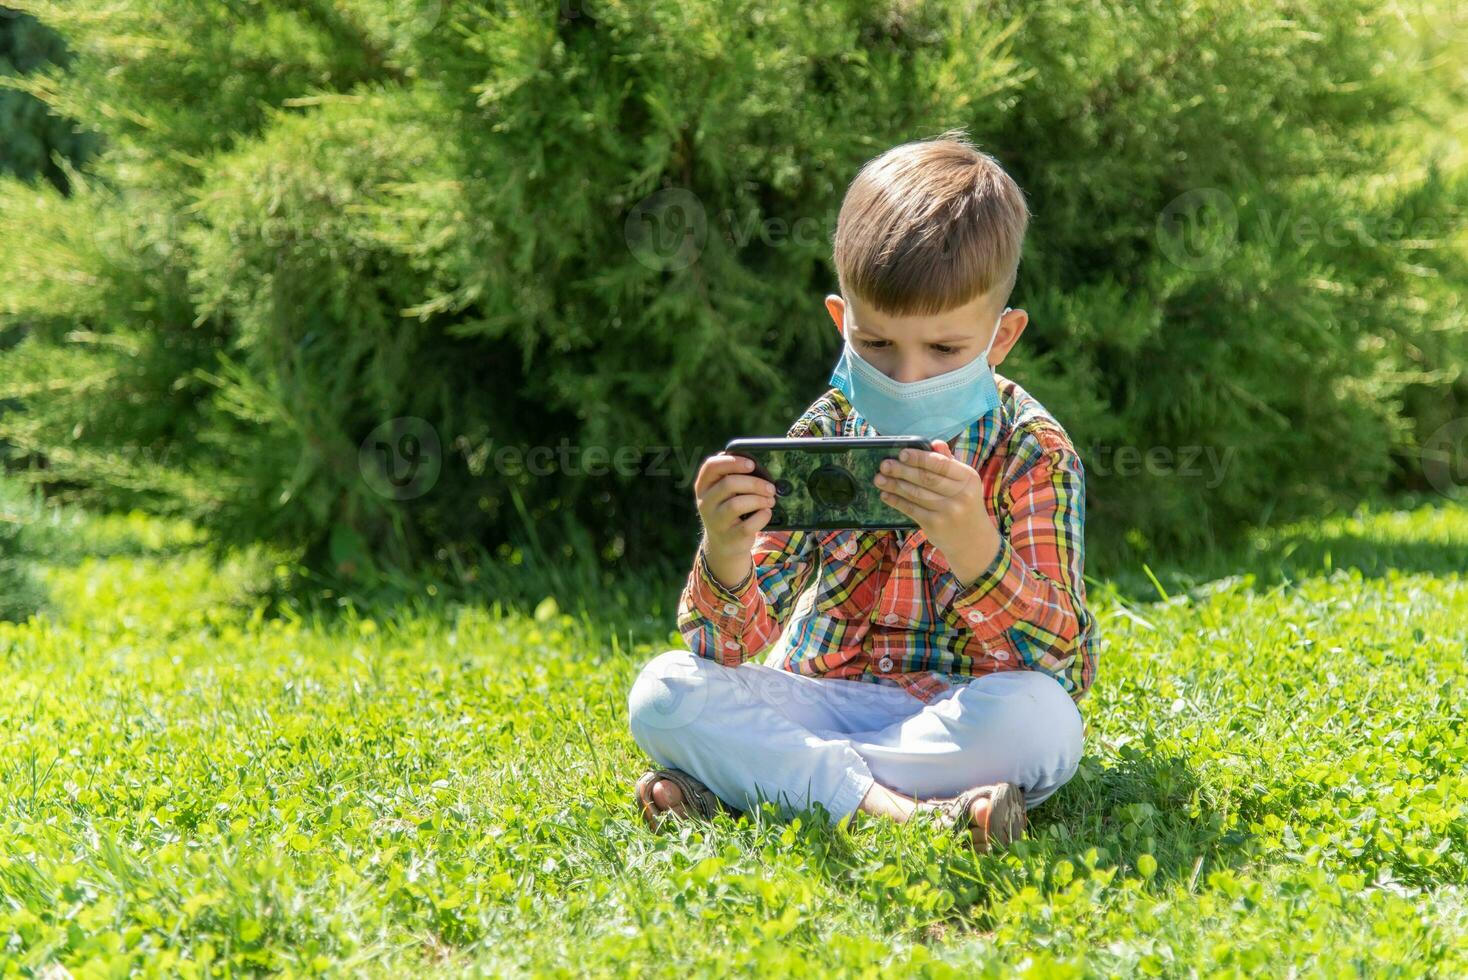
{"x": 1010, "y": 328}
{"x": 836, "y": 306}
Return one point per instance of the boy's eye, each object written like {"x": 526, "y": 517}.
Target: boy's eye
{"x": 943, "y": 349}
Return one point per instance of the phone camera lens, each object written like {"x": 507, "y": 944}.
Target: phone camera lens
{"x": 832, "y": 486}
{"x": 783, "y": 488}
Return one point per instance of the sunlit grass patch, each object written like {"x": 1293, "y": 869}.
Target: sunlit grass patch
{"x": 1274, "y": 780}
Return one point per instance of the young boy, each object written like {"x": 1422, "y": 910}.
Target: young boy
{"x": 936, "y": 668}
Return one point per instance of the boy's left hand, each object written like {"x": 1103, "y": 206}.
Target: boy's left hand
{"x": 946, "y": 497}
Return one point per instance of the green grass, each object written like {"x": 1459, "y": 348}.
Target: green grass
{"x": 1274, "y": 783}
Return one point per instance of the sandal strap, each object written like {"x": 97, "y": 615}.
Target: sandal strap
{"x": 1007, "y": 803}
{"x": 695, "y": 793}
{"x": 959, "y": 810}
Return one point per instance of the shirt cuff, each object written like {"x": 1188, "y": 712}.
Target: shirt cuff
{"x": 998, "y": 598}
{"x": 728, "y": 608}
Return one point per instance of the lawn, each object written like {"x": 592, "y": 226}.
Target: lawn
{"x": 1274, "y": 784}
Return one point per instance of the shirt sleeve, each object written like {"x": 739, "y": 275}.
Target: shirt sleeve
{"x": 735, "y": 625}
{"x": 1032, "y": 597}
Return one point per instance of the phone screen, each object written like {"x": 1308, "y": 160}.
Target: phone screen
{"x": 826, "y": 483}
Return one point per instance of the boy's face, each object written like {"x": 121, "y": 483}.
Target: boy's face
{"x": 915, "y": 348}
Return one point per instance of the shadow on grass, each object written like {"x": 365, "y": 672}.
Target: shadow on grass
{"x": 1129, "y": 802}
{"x": 1374, "y": 555}
{"x": 1409, "y": 534}
{"x": 638, "y": 604}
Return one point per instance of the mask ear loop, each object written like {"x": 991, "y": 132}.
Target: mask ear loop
{"x": 994, "y": 336}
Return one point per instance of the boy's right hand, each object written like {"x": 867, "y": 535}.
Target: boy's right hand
{"x": 724, "y": 489}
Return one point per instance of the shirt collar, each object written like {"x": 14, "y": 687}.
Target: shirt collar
{"x": 976, "y": 443}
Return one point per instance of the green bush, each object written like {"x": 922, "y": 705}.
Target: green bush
{"x": 20, "y": 594}
{"x": 595, "y": 225}
{"x": 31, "y": 133}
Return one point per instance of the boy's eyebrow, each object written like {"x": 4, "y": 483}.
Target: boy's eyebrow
{"x": 945, "y": 340}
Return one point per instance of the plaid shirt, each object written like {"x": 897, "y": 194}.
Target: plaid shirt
{"x": 883, "y": 606}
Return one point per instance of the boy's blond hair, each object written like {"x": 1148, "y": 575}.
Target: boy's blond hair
{"x": 929, "y": 225}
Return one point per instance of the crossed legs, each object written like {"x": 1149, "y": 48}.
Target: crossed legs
{"x": 754, "y": 733}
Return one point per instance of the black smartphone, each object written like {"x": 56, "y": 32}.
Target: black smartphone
{"x": 825, "y": 484}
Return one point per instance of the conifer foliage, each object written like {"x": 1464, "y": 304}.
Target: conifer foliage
{"x": 392, "y": 278}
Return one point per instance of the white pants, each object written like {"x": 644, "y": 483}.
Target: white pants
{"x": 757, "y": 732}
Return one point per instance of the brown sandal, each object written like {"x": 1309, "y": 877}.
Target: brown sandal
{"x": 700, "y": 800}
{"x": 1004, "y": 822}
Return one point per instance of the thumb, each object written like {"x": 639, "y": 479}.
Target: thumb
{"x": 940, "y": 446}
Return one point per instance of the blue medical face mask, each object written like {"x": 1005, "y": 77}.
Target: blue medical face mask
{"x": 936, "y": 408}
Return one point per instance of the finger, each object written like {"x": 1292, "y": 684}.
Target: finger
{"x": 737, "y": 522}
{"x": 752, "y": 523}
{"x": 911, "y": 491}
{"x": 937, "y": 462}
{"x": 756, "y": 522}
{"x": 917, "y": 512}
{"x": 718, "y": 465}
{"x": 733, "y": 510}
{"x": 730, "y": 484}
{"x": 939, "y": 481}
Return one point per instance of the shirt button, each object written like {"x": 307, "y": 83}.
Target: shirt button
{"x": 849, "y": 547}
{"x": 975, "y": 616}
{"x": 730, "y": 609}
{"x": 731, "y": 644}
{"x": 1001, "y": 654}
{"x": 890, "y": 618}
{"x": 885, "y": 664}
